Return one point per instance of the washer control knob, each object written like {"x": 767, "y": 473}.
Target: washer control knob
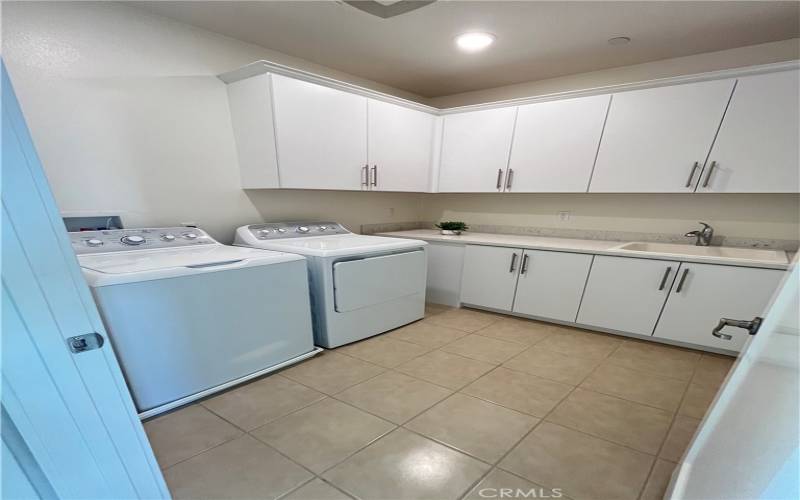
{"x": 263, "y": 233}
{"x": 190, "y": 236}
{"x": 94, "y": 242}
{"x": 132, "y": 239}
{"x": 281, "y": 230}
{"x": 302, "y": 229}
{"x": 323, "y": 228}
{"x": 168, "y": 237}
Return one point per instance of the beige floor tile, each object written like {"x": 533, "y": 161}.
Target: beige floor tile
{"x": 552, "y": 365}
{"x": 633, "y": 385}
{"x": 678, "y": 439}
{"x": 445, "y": 369}
{"x": 712, "y": 369}
{"x": 572, "y": 342}
{"x": 519, "y": 391}
{"x": 431, "y": 309}
{"x": 394, "y": 396}
{"x": 184, "y": 433}
{"x": 240, "y": 469}
{"x": 500, "y": 484}
{"x": 484, "y": 348}
{"x": 582, "y": 465}
{"x": 468, "y": 320}
{"x": 697, "y": 400}
{"x": 404, "y": 465}
{"x": 427, "y": 334}
{"x": 256, "y": 403}
{"x": 523, "y": 331}
{"x": 323, "y": 434}
{"x": 384, "y": 351}
{"x": 332, "y": 372}
{"x": 658, "y": 481}
{"x": 476, "y": 427}
{"x": 317, "y": 490}
{"x": 637, "y": 426}
{"x": 659, "y": 359}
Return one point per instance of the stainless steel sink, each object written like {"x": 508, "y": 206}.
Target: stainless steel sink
{"x": 748, "y": 254}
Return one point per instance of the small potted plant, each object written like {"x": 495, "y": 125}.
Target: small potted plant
{"x": 452, "y": 228}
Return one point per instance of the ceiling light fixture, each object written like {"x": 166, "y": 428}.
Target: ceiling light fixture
{"x": 619, "y": 40}
{"x": 474, "y": 41}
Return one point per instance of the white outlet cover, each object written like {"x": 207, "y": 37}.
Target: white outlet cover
{"x": 564, "y": 216}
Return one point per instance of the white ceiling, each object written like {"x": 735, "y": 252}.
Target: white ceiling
{"x": 535, "y": 40}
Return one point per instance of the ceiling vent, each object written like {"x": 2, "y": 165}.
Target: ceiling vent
{"x": 387, "y": 8}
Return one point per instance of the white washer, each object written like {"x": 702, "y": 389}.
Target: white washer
{"x": 188, "y": 316}
{"x": 360, "y": 285}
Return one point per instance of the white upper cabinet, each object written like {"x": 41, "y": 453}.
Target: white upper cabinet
{"x": 756, "y": 150}
{"x": 656, "y": 140}
{"x": 400, "y": 141}
{"x": 555, "y": 144}
{"x": 321, "y": 135}
{"x": 475, "y": 149}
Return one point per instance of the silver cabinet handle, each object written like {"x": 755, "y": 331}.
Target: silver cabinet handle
{"x": 751, "y": 326}
{"x": 683, "y": 279}
{"x": 513, "y": 265}
{"x": 365, "y": 175}
{"x": 375, "y": 175}
{"x": 499, "y": 178}
{"x": 708, "y": 175}
{"x": 691, "y": 174}
{"x": 664, "y": 278}
{"x": 509, "y": 178}
{"x": 524, "y": 264}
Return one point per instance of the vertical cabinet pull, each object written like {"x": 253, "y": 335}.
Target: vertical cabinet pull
{"x": 513, "y": 265}
{"x": 375, "y": 175}
{"x": 509, "y": 178}
{"x": 683, "y": 279}
{"x": 365, "y": 175}
{"x": 691, "y": 174}
{"x": 708, "y": 175}
{"x": 524, "y": 264}
{"x": 664, "y": 278}
{"x": 499, "y": 178}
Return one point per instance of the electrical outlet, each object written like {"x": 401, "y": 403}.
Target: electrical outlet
{"x": 391, "y": 212}
{"x": 564, "y": 216}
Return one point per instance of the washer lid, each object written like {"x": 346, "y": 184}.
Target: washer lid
{"x": 126, "y": 267}
{"x": 337, "y": 245}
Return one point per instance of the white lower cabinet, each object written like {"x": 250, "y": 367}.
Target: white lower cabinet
{"x": 626, "y": 294}
{"x": 704, "y": 293}
{"x": 490, "y": 276}
{"x": 445, "y": 263}
{"x": 550, "y": 284}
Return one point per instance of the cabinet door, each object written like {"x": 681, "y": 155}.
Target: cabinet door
{"x": 756, "y": 150}
{"x": 489, "y": 276}
{"x": 400, "y": 141}
{"x": 704, "y": 293}
{"x": 475, "y": 148}
{"x": 550, "y": 284}
{"x": 555, "y": 144}
{"x": 626, "y": 294}
{"x": 321, "y": 134}
{"x": 445, "y": 264}
{"x": 653, "y": 138}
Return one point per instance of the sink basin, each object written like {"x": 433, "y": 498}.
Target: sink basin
{"x": 748, "y": 254}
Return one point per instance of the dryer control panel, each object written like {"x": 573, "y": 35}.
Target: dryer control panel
{"x": 121, "y": 240}
{"x": 284, "y": 230}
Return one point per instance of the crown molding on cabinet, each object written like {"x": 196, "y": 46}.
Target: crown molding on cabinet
{"x": 263, "y": 66}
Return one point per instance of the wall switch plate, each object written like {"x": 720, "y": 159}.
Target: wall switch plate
{"x": 564, "y": 216}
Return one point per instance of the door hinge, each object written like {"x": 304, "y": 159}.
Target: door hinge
{"x": 85, "y": 342}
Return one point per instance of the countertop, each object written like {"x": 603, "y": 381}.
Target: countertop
{"x": 771, "y": 258}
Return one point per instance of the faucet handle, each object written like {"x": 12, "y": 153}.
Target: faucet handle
{"x": 704, "y": 224}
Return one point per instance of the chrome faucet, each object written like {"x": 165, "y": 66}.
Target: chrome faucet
{"x": 703, "y": 235}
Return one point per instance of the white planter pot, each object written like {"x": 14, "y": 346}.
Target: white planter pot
{"x": 448, "y": 232}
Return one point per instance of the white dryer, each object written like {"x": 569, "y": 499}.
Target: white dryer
{"x": 188, "y": 316}
{"x": 360, "y": 285}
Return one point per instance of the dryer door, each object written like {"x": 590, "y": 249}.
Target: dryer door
{"x": 374, "y": 280}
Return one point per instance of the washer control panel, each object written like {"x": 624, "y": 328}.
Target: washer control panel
{"x": 120, "y": 240}
{"x": 282, "y": 230}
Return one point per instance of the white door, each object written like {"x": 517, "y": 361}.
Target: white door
{"x": 489, "y": 276}
{"x": 475, "y": 149}
{"x": 69, "y": 425}
{"x": 400, "y": 141}
{"x": 551, "y": 284}
{"x": 756, "y": 150}
{"x": 747, "y": 445}
{"x": 656, "y": 140}
{"x": 445, "y": 263}
{"x": 321, "y": 135}
{"x": 626, "y": 294}
{"x": 704, "y": 293}
{"x": 555, "y": 144}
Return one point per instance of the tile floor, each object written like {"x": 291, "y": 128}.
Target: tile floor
{"x": 444, "y": 408}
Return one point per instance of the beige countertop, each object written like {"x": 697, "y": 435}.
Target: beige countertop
{"x": 770, "y": 259}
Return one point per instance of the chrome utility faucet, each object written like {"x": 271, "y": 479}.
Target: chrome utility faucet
{"x": 703, "y": 235}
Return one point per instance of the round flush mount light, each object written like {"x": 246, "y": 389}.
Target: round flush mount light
{"x": 474, "y": 41}
{"x": 619, "y": 40}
